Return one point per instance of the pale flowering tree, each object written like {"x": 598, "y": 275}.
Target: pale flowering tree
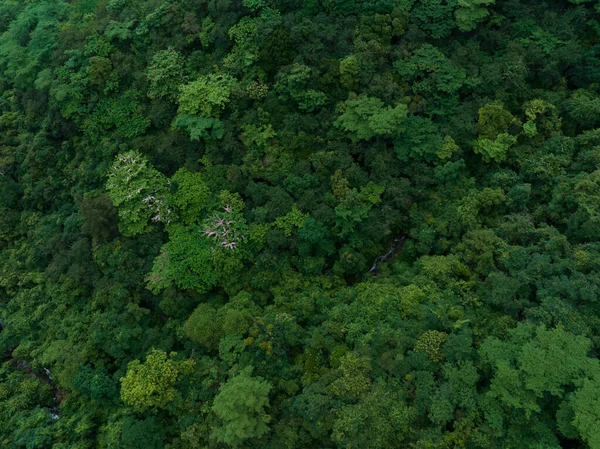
{"x": 138, "y": 191}
{"x": 226, "y": 228}
{"x": 199, "y": 252}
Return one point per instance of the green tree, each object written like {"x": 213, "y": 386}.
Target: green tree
{"x": 431, "y": 72}
{"x": 297, "y": 82}
{"x": 27, "y": 41}
{"x": 100, "y": 217}
{"x": 494, "y": 120}
{"x": 166, "y": 74}
{"x": 186, "y": 261}
{"x": 583, "y": 107}
{"x": 420, "y": 140}
{"x": 204, "y": 326}
{"x": 384, "y": 413}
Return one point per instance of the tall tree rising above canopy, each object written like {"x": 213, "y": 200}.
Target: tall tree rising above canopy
{"x": 341, "y": 224}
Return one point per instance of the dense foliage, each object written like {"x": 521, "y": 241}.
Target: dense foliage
{"x": 278, "y": 224}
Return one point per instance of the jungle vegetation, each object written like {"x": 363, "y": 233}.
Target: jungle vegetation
{"x": 283, "y": 224}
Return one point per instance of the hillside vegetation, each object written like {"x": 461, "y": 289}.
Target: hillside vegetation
{"x": 285, "y": 224}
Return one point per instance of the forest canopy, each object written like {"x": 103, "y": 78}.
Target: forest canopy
{"x": 278, "y": 224}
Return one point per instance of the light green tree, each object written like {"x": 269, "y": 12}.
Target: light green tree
{"x": 240, "y": 405}
{"x": 367, "y": 117}
{"x": 190, "y": 194}
{"x": 432, "y": 343}
{"x": 201, "y": 102}
{"x": 536, "y": 362}
{"x": 470, "y": 12}
{"x": 349, "y": 72}
{"x": 293, "y": 219}
{"x": 585, "y": 405}
{"x": 207, "y": 96}
{"x": 496, "y": 149}
{"x": 152, "y": 383}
